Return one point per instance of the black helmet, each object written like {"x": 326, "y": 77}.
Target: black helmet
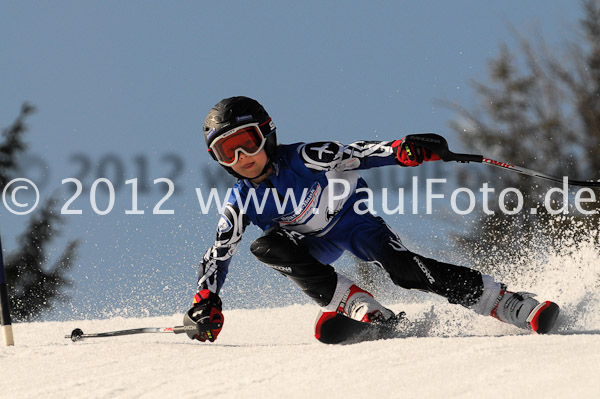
{"x": 230, "y": 113}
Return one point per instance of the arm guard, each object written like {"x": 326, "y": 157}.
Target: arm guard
{"x": 332, "y": 155}
{"x": 215, "y": 264}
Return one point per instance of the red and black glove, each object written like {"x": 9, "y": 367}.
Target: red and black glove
{"x": 412, "y": 154}
{"x": 206, "y": 311}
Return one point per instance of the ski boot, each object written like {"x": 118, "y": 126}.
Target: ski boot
{"x": 358, "y": 317}
{"x": 522, "y": 310}
{"x": 360, "y": 305}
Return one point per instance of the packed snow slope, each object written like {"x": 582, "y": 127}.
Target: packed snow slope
{"x": 271, "y": 353}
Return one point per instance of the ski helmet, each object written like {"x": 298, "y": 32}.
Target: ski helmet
{"x": 232, "y": 112}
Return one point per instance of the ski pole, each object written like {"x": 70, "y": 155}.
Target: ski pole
{"x": 77, "y": 334}
{"x": 439, "y": 146}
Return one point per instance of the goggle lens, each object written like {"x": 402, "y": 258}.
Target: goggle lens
{"x": 247, "y": 139}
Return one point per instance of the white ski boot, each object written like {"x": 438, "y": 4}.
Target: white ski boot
{"x": 516, "y": 308}
{"x": 522, "y": 310}
{"x": 360, "y": 305}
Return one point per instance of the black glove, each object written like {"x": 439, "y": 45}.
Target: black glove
{"x": 206, "y": 315}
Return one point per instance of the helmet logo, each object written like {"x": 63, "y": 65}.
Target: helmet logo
{"x": 210, "y": 133}
{"x": 243, "y": 118}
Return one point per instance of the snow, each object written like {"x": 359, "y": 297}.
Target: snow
{"x": 271, "y": 353}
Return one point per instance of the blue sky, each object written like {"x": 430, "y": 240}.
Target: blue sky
{"x": 122, "y": 88}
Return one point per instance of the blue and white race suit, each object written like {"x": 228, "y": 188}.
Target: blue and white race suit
{"x": 319, "y": 210}
{"x": 315, "y": 195}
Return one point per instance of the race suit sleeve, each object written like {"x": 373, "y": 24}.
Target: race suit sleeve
{"x": 215, "y": 263}
{"x": 332, "y": 155}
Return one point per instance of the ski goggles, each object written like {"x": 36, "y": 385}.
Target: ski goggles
{"x": 246, "y": 138}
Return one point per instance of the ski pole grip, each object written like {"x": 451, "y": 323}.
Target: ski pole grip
{"x": 466, "y": 157}
{"x": 438, "y": 145}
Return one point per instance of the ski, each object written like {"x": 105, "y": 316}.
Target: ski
{"x": 341, "y": 329}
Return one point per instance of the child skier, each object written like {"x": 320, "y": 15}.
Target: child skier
{"x": 302, "y": 239}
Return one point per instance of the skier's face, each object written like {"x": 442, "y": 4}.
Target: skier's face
{"x": 251, "y": 166}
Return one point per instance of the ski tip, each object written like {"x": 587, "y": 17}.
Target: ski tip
{"x": 544, "y": 317}
{"x": 333, "y": 328}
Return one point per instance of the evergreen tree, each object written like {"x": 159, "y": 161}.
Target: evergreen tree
{"x": 33, "y": 286}
{"x": 541, "y": 110}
